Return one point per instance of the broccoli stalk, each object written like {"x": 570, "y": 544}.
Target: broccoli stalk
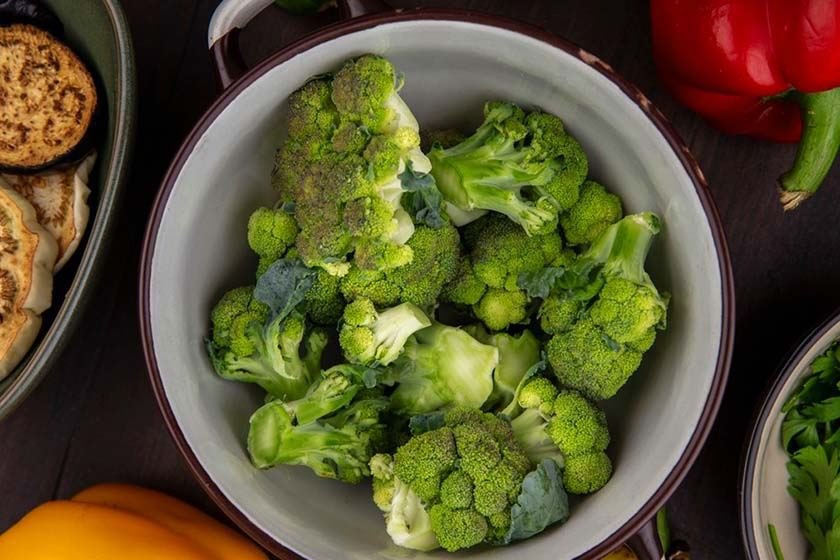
{"x": 519, "y": 166}
{"x": 517, "y": 355}
{"x": 441, "y": 366}
{"x": 337, "y": 446}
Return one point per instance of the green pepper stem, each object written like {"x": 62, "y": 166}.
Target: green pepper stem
{"x": 817, "y": 148}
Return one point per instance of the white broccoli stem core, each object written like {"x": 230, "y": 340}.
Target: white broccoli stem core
{"x": 403, "y": 115}
{"x": 462, "y": 217}
{"x": 408, "y": 524}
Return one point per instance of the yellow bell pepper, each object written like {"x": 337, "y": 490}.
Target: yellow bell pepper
{"x": 113, "y": 521}
{"x": 623, "y": 553}
{"x": 175, "y": 515}
{"x": 78, "y": 531}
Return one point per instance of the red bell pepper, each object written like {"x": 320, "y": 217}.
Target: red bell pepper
{"x": 765, "y": 68}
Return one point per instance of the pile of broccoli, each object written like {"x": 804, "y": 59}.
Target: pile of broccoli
{"x": 443, "y": 323}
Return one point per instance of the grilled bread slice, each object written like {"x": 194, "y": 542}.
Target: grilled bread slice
{"x": 60, "y": 201}
{"x": 27, "y": 257}
{"x": 47, "y": 99}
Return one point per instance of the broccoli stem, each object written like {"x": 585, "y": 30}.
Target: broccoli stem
{"x": 625, "y": 247}
{"x": 817, "y": 149}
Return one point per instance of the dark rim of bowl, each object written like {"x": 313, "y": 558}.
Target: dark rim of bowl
{"x": 340, "y": 29}
{"x": 760, "y": 418}
{"x": 43, "y": 356}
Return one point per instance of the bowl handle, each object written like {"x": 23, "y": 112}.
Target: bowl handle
{"x": 232, "y": 15}
{"x": 646, "y": 543}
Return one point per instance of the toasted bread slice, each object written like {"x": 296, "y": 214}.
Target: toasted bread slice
{"x": 47, "y": 98}
{"x": 60, "y": 201}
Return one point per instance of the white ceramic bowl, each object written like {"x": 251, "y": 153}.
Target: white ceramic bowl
{"x": 453, "y": 61}
{"x": 764, "y": 496}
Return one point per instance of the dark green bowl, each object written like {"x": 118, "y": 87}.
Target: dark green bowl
{"x": 98, "y": 32}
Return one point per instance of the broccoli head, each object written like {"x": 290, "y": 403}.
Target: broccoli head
{"x": 335, "y": 446}
{"x": 350, "y": 139}
{"x": 441, "y": 366}
{"x": 603, "y": 309}
{"x": 436, "y": 257}
{"x": 470, "y": 476}
{"x": 375, "y": 338}
{"x": 567, "y": 427}
{"x": 517, "y": 165}
{"x": 276, "y": 353}
{"x": 593, "y": 212}
{"x": 501, "y": 251}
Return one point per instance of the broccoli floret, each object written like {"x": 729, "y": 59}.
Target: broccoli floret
{"x": 250, "y": 346}
{"x": 584, "y": 474}
{"x": 498, "y": 309}
{"x": 435, "y": 262}
{"x": 406, "y": 520}
{"x": 604, "y": 344}
{"x": 339, "y": 449}
{"x": 567, "y": 428}
{"x": 565, "y": 186}
{"x": 584, "y": 359}
{"x": 441, "y": 366}
{"x": 271, "y": 233}
{"x": 466, "y": 288}
{"x": 469, "y": 475}
{"x": 540, "y": 394}
{"x": 517, "y": 355}
{"x": 334, "y": 390}
{"x": 558, "y": 313}
{"x": 323, "y": 303}
{"x": 375, "y": 338}
{"x": 577, "y": 426}
{"x": 489, "y": 170}
{"x": 350, "y": 138}
{"x": 501, "y": 251}
{"x": 595, "y": 211}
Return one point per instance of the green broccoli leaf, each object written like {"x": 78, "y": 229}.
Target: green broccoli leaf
{"x": 582, "y": 282}
{"x": 425, "y": 422}
{"x": 541, "y": 502}
{"x": 283, "y": 286}
{"x": 422, "y": 199}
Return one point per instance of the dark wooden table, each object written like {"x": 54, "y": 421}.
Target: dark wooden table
{"x": 94, "y": 418}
